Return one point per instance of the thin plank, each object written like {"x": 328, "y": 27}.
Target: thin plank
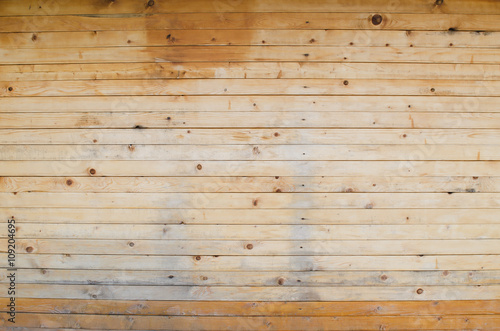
{"x": 250, "y": 53}
{"x": 276, "y": 136}
{"x": 189, "y": 293}
{"x": 240, "y": 37}
{"x": 248, "y": 20}
{"x": 277, "y": 308}
{"x": 260, "y": 278}
{"x": 250, "y": 70}
{"x": 257, "y": 232}
{"x": 287, "y": 103}
{"x": 249, "y": 184}
{"x": 163, "y": 120}
{"x": 95, "y": 7}
{"x": 207, "y": 246}
{"x": 252, "y": 323}
{"x": 252, "y": 216}
{"x": 120, "y": 168}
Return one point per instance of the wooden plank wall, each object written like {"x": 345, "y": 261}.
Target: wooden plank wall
{"x": 251, "y": 164}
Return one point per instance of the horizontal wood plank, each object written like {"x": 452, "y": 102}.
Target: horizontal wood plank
{"x": 121, "y": 168}
{"x": 373, "y": 184}
{"x": 61, "y": 7}
{"x": 257, "y": 103}
{"x": 248, "y": 20}
{"x": 163, "y": 120}
{"x": 324, "y": 37}
{"x": 250, "y": 53}
{"x": 221, "y": 308}
{"x": 251, "y": 216}
{"x": 229, "y": 293}
{"x": 251, "y": 323}
{"x": 291, "y": 245}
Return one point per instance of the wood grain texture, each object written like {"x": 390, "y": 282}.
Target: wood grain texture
{"x": 477, "y": 23}
{"x": 250, "y": 165}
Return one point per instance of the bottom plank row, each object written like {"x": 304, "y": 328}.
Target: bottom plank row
{"x": 101, "y": 322}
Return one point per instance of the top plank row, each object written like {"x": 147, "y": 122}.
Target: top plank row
{"x": 106, "y": 7}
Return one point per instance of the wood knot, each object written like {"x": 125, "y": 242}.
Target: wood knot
{"x": 281, "y": 281}
{"x": 255, "y": 150}
{"x": 197, "y": 258}
{"x": 249, "y": 246}
{"x": 204, "y": 277}
{"x": 10, "y": 89}
{"x": 199, "y": 167}
{"x": 376, "y": 19}
{"x": 151, "y": 3}
{"x": 433, "y": 89}
{"x": 29, "y": 249}
{"x": 34, "y": 37}
{"x": 445, "y": 273}
{"x": 278, "y": 190}
{"x": 346, "y": 82}
{"x": 420, "y": 291}
{"x": 276, "y": 134}
{"x": 171, "y": 276}
{"x": 404, "y": 135}
{"x": 439, "y": 2}
{"x": 349, "y": 190}
{"x": 69, "y": 182}
{"x": 383, "y": 277}
{"x": 369, "y": 206}
{"x": 131, "y": 244}
{"x": 92, "y": 171}
{"x": 255, "y": 202}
